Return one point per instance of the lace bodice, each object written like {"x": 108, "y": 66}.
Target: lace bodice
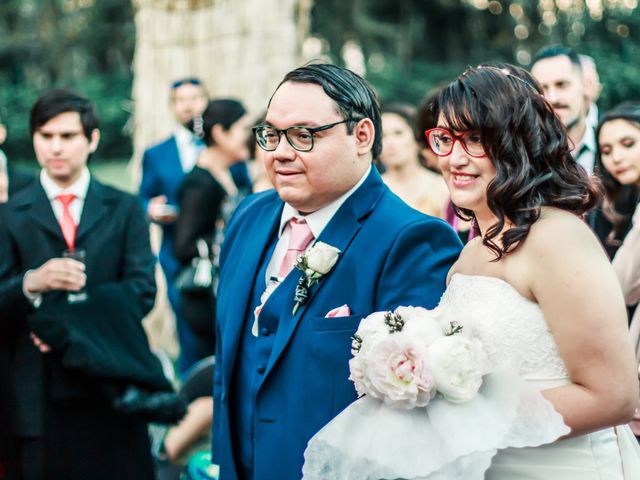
{"x": 511, "y": 327}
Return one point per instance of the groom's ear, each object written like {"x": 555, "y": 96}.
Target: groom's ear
{"x": 365, "y": 134}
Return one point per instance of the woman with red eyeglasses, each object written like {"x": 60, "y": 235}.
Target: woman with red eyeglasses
{"x": 534, "y": 292}
{"x": 535, "y": 285}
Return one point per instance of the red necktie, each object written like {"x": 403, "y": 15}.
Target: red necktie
{"x": 67, "y": 224}
{"x": 299, "y": 239}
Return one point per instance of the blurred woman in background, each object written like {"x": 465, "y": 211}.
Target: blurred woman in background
{"x": 422, "y": 189}
{"x": 206, "y": 199}
{"x": 618, "y": 160}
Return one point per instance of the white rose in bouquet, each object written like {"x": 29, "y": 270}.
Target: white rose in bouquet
{"x": 371, "y": 331}
{"x": 457, "y": 364}
{"x": 420, "y": 325}
{"x": 399, "y": 373}
{"x": 321, "y": 258}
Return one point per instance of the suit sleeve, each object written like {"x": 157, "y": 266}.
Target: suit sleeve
{"x": 415, "y": 271}
{"x": 13, "y": 304}
{"x": 149, "y": 184}
{"x": 217, "y": 395}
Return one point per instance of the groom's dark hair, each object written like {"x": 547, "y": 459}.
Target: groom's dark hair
{"x": 354, "y": 96}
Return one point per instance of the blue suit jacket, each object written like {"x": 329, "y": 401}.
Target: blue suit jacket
{"x": 391, "y": 255}
{"x": 161, "y": 175}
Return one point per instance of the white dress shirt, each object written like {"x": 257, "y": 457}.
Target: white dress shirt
{"x": 78, "y": 188}
{"x": 316, "y": 221}
{"x": 188, "y": 148}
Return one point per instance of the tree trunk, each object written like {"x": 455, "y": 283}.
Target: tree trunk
{"x": 239, "y": 48}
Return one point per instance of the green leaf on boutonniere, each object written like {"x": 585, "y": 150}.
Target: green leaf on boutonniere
{"x": 315, "y": 263}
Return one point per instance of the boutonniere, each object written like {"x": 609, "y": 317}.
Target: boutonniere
{"x": 315, "y": 263}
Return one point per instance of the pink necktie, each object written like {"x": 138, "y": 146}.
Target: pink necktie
{"x": 67, "y": 224}
{"x": 299, "y": 239}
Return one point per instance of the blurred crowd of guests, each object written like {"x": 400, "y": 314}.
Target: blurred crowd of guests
{"x": 191, "y": 184}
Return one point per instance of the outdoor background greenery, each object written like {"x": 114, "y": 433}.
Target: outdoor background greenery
{"x": 407, "y": 48}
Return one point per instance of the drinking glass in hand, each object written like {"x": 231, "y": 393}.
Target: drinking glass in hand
{"x": 80, "y": 255}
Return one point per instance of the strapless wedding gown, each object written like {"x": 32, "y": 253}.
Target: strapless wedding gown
{"x": 514, "y": 331}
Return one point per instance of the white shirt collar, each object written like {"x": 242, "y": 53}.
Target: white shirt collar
{"x": 78, "y": 188}
{"x": 3, "y": 161}
{"x": 184, "y": 136}
{"x": 320, "y": 218}
{"x": 592, "y": 116}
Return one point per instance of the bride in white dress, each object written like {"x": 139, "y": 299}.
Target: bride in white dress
{"x": 537, "y": 290}
{"x": 536, "y": 286}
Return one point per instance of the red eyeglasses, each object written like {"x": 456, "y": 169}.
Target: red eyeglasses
{"x": 442, "y": 141}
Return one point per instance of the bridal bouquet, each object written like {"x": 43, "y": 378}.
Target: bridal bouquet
{"x": 432, "y": 405}
{"x": 406, "y": 357}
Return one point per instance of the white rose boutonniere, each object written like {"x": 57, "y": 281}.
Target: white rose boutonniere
{"x": 315, "y": 263}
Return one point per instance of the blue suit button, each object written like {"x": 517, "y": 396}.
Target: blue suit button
{"x": 261, "y": 369}
{"x": 265, "y": 332}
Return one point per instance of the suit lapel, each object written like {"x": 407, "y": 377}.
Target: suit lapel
{"x": 338, "y": 233}
{"x": 258, "y": 233}
{"x": 41, "y": 210}
{"x": 96, "y": 206}
{"x": 174, "y": 152}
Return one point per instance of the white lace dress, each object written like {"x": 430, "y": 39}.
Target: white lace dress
{"x": 509, "y": 431}
{"x": 514, "y": 331}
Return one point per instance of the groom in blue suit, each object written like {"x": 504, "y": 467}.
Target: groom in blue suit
{"x": 281, "y": 376}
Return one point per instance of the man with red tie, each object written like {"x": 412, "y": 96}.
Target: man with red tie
{"x": 70, "y": 354}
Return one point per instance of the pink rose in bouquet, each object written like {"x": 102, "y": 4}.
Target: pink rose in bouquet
{"x": 399, "y": 374}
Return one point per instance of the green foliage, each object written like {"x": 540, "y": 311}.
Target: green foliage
{"x": 110, "y": 93}
{"x": 82, "y": 44}
{"x": 412, "y": 46}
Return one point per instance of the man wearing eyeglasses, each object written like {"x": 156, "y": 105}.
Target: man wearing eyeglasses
{"x": 282, "y": 349}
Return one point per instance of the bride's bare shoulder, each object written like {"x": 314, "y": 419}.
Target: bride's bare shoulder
{"x": 559, "y": 236}
{"x": 560, "y": 227}
{"x": 468, "y": 255}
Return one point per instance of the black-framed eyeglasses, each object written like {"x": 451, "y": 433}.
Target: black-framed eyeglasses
{"x": 299, "y": 137}
{"x": 442, "y": 141}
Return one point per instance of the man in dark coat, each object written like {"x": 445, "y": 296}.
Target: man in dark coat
{"x": 73, "y": 326}
{"x": 11, "y": 181}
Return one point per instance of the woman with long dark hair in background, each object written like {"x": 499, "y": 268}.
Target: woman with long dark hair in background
{"x": 618, "y": 162}
{"x": 206, "y": 199}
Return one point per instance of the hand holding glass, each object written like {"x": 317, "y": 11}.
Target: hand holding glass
{"x": 80, "y": 255}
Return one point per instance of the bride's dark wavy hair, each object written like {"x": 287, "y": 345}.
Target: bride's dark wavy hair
{"x": 527, "y": 144}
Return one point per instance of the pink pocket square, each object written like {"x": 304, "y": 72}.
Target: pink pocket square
{"x": 342, "y": 311}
